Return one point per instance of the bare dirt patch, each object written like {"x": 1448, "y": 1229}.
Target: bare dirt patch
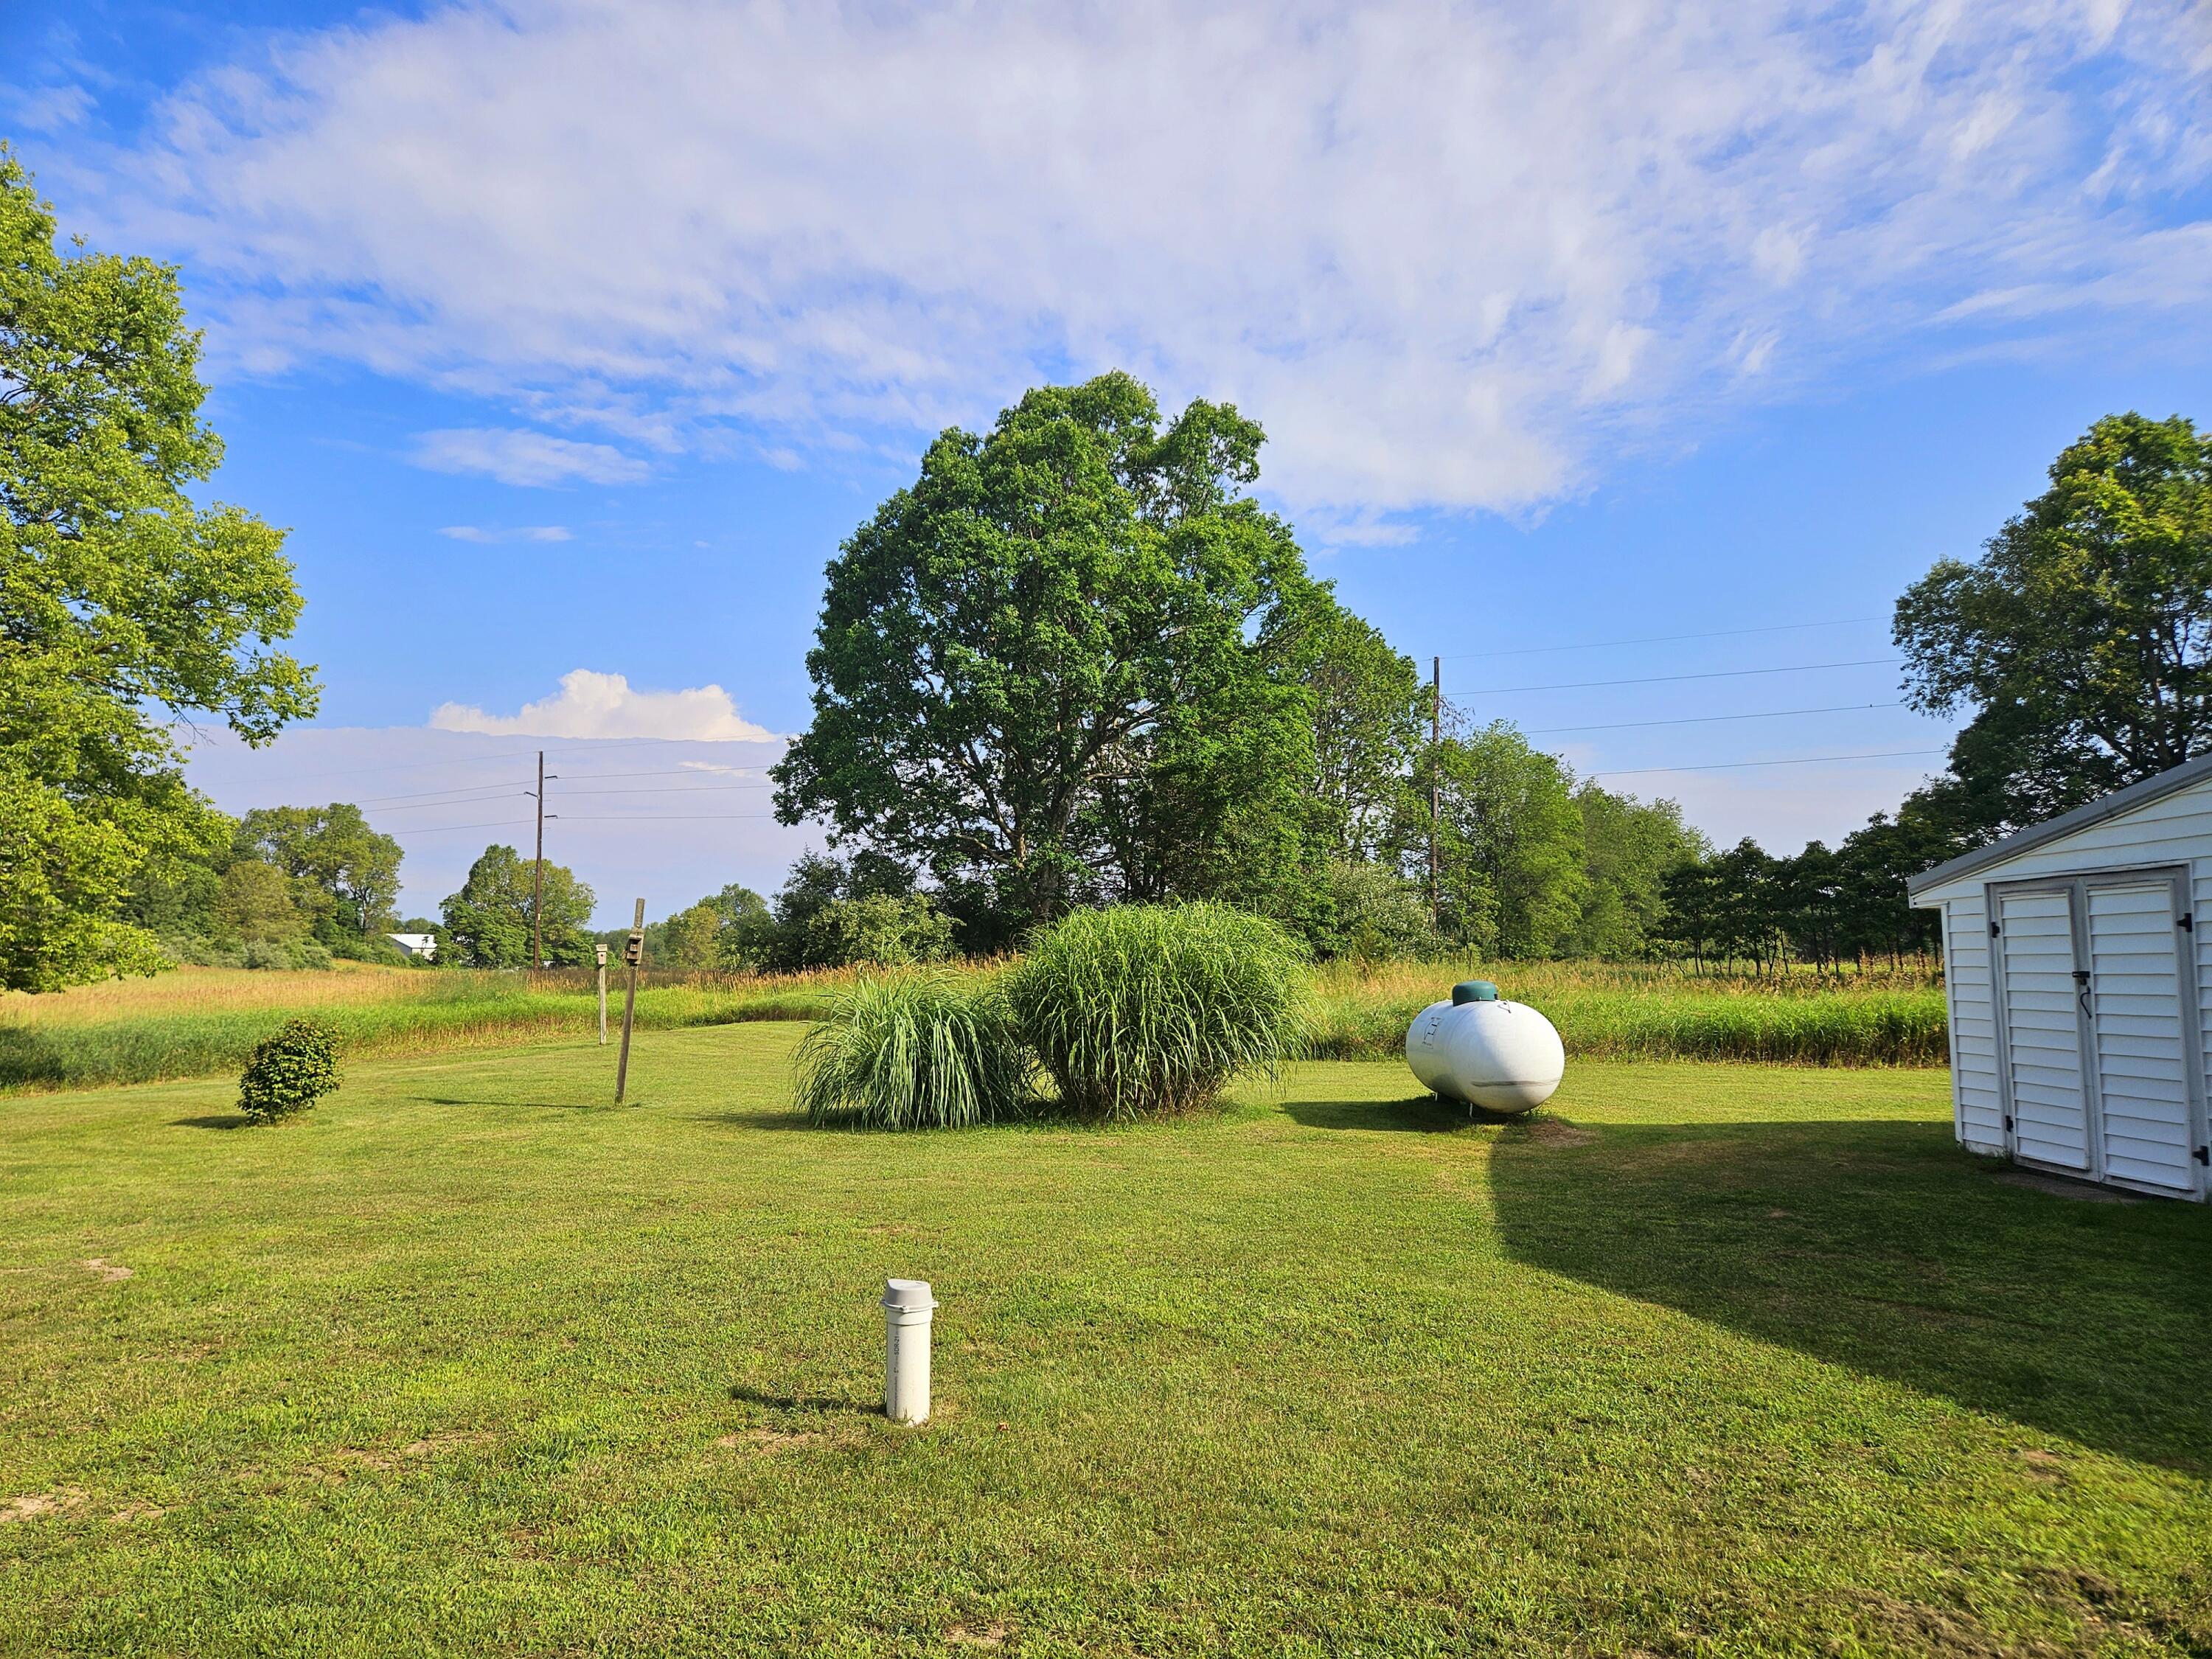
{"x": 109, "y": 1271}
{"x": 1557, "y": 1132}
{"x": 2059, "y": 1187}
{"x": 40, "y": 1505}
{"x": 990, "y": 1636}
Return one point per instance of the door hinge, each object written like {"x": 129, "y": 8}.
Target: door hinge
{"x": 1995, "y": 930}
{"x": 2008, "y": 1126}
{"x": 2188, "y": 922}
{"x": 2205, "y": 1154}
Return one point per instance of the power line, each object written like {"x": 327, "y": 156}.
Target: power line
{"x": 674, "y": 789}
{"x": 441, "y": 829}
{"x": 457, "y": 789}
{"x": 1715, "y": 674}
{"x": 1661, "y": 639}
{"x": 668, "y": 817}
{"x": 1700, "y": 720}
{"x": 1801, "y": 760}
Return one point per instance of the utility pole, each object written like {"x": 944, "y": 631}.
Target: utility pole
{"x": 1436, "y": 756}
{"x": 633, "y": 954}
{"x": 537, "y": 875}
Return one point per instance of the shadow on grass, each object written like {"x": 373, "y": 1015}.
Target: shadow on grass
{"x": 761, "y": 1120}
{"x": 1416, "y": 1114}
{"x": 517, "y": 1105}
{"x": 212, "y": 1120}
{"x": 29, "y": 1056}
{"x": 804, "y": 1402}
{"x": 1882, "y": 1247}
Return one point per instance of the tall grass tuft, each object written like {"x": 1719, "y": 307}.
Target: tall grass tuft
{"x": 1146, "y": 1009}
{"x": 917, "y": 1051}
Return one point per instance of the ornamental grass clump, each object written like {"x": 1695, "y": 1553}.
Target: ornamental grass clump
{"x": 926, "y": 1051}
{"x": 1143, "y": 1010}
{"x": 289, "y": 1071}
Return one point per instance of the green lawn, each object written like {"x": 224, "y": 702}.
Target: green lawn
{"x": 1706, "y": 1359}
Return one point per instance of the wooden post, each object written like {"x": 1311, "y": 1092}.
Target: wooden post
{"x": 602, "y": 951}
{"x": 1435, "y": 746}
{"x": 633, "y": 954}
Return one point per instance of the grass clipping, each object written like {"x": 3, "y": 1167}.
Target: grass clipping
{"x": 926, "y": 1051}
{"x": 1143, "y": 1010}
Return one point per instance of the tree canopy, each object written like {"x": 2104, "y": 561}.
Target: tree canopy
{"x": 1049, "y": 669}
{"x": 119, "y": 596}
{"x": 2080, "y": 638}
{"x": 486, "y": 923}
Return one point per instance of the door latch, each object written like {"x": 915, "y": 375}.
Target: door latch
{"x": 2188, "y": 922}
{"x": 2203, "y": 1154}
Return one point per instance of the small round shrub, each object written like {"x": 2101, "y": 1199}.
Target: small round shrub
{"x": 926, "y": 1050}
{"x": 1146, "y": 1009}
{"x": 289, "y": 1071}
{"x": 267, "y": 953}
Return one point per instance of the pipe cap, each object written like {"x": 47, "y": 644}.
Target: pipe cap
{"x": 911, "y": 1295}
{"x": 1474, "y": 990}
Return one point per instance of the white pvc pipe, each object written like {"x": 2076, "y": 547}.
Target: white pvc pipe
{"x": 908, "y": 1308}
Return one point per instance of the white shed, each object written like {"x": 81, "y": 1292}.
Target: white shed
{"x": 2077, "y": 979}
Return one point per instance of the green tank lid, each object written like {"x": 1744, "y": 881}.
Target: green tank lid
{"x": 1474, "y": 990}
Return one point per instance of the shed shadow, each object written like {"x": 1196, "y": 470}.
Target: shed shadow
{"x": 1882, "y": 1247}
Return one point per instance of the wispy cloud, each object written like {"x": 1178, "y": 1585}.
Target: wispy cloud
{"x": 528, "y": 532}
{"x": 595, "y": 705}
{"x": 1450, "y": 254}
{"x": 518, "y": 457}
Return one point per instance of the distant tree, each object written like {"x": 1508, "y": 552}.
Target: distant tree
{"x": 876, "y": 928}
{"x": 486, "y": 923}
{"x": 120, "y": 598}
{"x": 2081, "y": 639}
{"x": 333, "y": 852}
{"x": 1510, "y": 842}
{"x": 1370, "y": 712}
{"x": 1369, "y": 913}
{"x": 1039, "y": 671}
{"x": 257, "y": 903}
{"x": 1629, "y": 849}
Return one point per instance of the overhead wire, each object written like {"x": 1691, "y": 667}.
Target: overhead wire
{"x": 1710, "y": 674}
{"x": 1702, "y": 719}
{"x": 1794, "y": 760}
{"x": 1658, "y": 639}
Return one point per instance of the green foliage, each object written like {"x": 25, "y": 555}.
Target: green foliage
{"x": 486, "y": 923}
{"x": 1144, "y": 1009}
{"x": 289, "y": 1071}
{"x": 1509, "y": 841}
{"x": 347, "y": 874}
{"x": 1370, "y": 714}
{"x": 916, "y": 1051}
{"x": 1368, "y": 913}
{"x": 2082, "y": 639}
{"x": 120, "y": 595}
{"x": 1629, "y": 849}
{"x": 877, "y": 929}
{"x": 1050, "y": 670}
{"x": 255, "y": 904}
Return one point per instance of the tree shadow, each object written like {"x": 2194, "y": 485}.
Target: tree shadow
{"x": 1416, "y": 1114}
{"x": 760, "y": 1120}
{"x": 1883, "y": 1246}
{"x": 518, "y": 1105}
{"x": 27, "y": 1055}
{"x": 804, "y": 1402}
{"x": 212, "y": 1120}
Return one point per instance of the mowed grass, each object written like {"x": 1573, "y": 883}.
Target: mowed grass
{"x": 1703, "y": 1359}
{"x": 201, "y": 1022}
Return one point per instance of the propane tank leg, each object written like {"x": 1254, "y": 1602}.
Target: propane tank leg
{"x": 907, "y": 1310}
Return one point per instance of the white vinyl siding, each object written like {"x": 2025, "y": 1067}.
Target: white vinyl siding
{"x": 2143, "y": 1066}
{"x": 2043, "y": 1030}
{"x": 1977, "y": 1103}
{"x": 2176, "y": 828}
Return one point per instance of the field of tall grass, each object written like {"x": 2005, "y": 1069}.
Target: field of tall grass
{"x": 202, "y": 1022}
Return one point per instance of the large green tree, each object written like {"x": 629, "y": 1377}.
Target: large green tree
{"x": 350, "y": 870}
{"x": 486, "y": 923}
{"x": 2079, "y": 639}
{"x": 1509, "y": 840}
{"x": 1629, "y": 849}
{"x": 1049, "y": 669}
{"x": 120, "y": 598}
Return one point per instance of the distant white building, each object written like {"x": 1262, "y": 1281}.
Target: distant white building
{"x": 423, "y": 947}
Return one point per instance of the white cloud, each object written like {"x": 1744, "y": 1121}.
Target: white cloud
{"x": 528, "y": 532}
{"x": 594, "y": 705}
{"x": 515, "y": 457}
{"x": 1447, "y": 253}
{"x": 48, "y": 109}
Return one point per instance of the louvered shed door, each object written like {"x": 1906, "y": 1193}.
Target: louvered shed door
{"x": 2042, "y": 1029}
{"x": 2142, "y": 1079}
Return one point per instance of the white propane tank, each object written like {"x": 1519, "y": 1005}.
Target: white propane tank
{"x": 1501, "y": 1056}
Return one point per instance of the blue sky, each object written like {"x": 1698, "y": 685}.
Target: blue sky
{"x": 570, "y": 339}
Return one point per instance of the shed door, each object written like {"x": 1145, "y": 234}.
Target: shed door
{"x": 2142, "y": 1078}
{"x": 2043, "y": 1029}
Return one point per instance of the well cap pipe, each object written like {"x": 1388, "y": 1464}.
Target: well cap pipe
{"x": 908, "y": 1296}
